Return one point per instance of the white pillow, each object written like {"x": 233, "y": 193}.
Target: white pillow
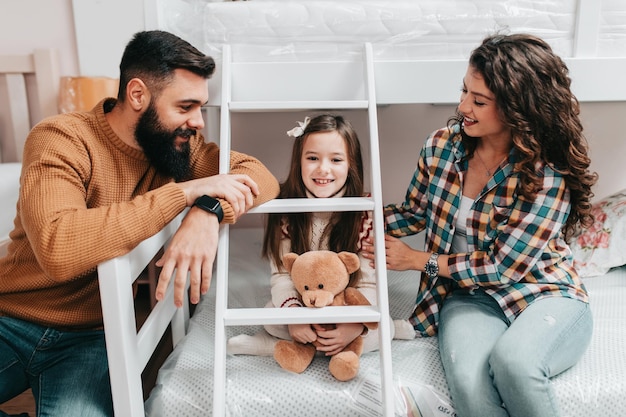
{"x": 602, "y": 246}
{"x": 9, "y": 193}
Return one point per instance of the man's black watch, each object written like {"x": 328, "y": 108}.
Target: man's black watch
{"x": 432, "y": 267}
{"x": 211, "y": 205}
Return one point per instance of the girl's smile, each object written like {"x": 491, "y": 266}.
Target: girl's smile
{"x": 324, "y": 164}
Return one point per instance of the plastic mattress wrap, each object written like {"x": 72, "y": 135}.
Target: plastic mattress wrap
{"x": 612, "y": 30}
{"x": 398, "y": 29}
{"x": 257, "y": 386}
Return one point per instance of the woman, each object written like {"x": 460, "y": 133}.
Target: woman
{"x": 498, "y": 192}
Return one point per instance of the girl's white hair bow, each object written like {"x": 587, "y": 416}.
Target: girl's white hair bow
{"x": 298, "y": 131}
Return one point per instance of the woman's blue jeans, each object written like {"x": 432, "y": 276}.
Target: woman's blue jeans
{"x": 495, "y": 368}
{"x": 67, "y": 371}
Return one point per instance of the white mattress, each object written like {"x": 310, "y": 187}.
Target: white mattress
{"x": 257, "y": 386}
{"x": 398, "y": 29}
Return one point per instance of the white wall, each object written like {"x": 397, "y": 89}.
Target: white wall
{"x": 29, "y": 24}
{"x": 603, "y": 127}
{"x": 106, "y": 26}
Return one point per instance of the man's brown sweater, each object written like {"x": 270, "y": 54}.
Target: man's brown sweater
{"x": 85, "y": 197}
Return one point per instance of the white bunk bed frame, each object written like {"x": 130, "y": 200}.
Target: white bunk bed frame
{"x": 402, "y": 81}
{"x": 362, "y": 97}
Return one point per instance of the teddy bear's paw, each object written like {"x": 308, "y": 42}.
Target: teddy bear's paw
{"x": 293, "y": 356}
{"x": 344, "y": 366}
{"x": 259, "y": 344}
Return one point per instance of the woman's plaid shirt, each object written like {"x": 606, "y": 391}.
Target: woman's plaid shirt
{"x": 516, "y": 250}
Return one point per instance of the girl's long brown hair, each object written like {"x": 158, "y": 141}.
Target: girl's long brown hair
{"x": 344, "y": 227}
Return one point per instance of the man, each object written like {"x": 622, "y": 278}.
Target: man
{"x": 94, "y": 185}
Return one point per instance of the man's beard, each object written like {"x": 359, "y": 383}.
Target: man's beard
{"x": 158, "y": 145}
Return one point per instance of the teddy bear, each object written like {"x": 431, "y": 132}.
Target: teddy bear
{"x": 321, "y": 278}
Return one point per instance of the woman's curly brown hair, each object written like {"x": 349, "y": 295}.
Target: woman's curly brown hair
{"x": 531, "y": 85}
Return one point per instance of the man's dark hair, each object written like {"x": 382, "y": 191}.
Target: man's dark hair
{"x": 152, "y": 56}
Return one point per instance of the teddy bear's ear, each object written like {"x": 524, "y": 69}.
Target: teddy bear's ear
{"x": 350, "y": 260}
{"x": 289, "y": 259}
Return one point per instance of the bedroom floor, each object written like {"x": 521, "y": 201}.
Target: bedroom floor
{"x": 24, "y": 403}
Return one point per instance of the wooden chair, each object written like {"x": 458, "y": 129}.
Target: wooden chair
{"x": 29, "y": 86}
{"x": 29, "y": 89}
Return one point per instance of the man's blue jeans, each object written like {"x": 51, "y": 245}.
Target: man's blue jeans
{"x": 489, "y": 362}
{"x": 67, "y": 371}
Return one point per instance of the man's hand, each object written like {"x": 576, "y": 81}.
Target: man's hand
{"x": 237, "y": 189}
{"x": 192, "y": 250}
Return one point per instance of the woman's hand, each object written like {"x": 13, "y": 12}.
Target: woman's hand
{"x": 398, "y": 255}
{"x": 335, "y": 340}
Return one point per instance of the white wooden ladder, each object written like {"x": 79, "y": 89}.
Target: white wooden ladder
{"x": 240, "y": 92}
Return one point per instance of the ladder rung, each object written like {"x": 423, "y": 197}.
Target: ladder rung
{"x": 257, "y": 316}
{"x": 296, "y": 105}
{"x": 295, "y": 205}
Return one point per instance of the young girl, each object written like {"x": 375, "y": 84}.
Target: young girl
{"x": 325, "y": 163}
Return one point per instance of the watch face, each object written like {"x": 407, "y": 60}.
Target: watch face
{"x": 215, "y": 205}
{"x": 208, "y": 202}
{"x": 432, "y": 268}
{"x": 211, "y": 205}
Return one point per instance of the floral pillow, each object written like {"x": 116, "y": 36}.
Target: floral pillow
{"x": 602, "y": 246}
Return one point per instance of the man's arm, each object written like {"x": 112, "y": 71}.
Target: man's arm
{"x": 193, "y": 247}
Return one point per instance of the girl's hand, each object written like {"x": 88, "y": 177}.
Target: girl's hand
{"x": 335, "y": 340}
{"x": 367, "y": 250}
{"x": 302, "y": 333}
